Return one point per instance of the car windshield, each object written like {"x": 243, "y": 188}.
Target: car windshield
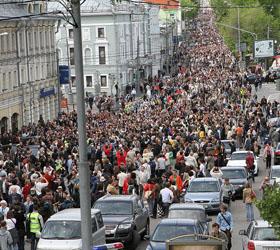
{"x": 239, "y": 157}
{"x": 114, "y": 208}
{"x": 264, "y": 234}
{"x": 275, "y": 173}
{"x": 234, "y": 174}
{"x": 203, "y": 186}
{"x": 166, "y": 232}
{"x": 187, "y": 214}
{"x": 62, "y": 230}
{"x": 226, "y": 145}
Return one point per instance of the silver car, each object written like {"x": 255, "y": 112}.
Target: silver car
{"x": 260, "y": 235}
{"x": 190, "y": 211}
{"x": 206, "y": 192}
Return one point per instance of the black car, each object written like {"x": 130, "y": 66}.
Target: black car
{"x": 125, "y": 218}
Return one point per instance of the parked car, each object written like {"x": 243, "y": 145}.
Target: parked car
{"x": 277, "y": 154}
{"x": 170, "y": 228}
{"x": 274, "y": 173}
{"x": 237, "y": 177}
{"x": 63, "y": 230}
{"x": 238, "y": 158}
{"x": 259, "y": 235}
{"x": 228, "y": 147}
{"x": 205, "y": 191}
{"x": 125, "y": 218}
{"x": 190, "y": 211}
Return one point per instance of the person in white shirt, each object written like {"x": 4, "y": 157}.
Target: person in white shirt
{"x": 121, "y": 177}
{"x": 161, "y": 165}
{"x": 167, "y": 198}
{"x": 41, "y": 183}
{"x": 216, "y": 173}
{"x": 4, "y": 209}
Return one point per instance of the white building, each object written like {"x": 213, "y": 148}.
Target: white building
{"x": 28, "y": 71}
{"x": 113, "y": 36}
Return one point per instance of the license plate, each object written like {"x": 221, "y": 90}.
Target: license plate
{"x": 108, "y": 232}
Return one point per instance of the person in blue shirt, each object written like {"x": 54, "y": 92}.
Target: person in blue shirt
{"x": 225, "y": 221}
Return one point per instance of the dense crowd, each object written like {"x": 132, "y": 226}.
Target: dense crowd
{"x": 153, "y": 146}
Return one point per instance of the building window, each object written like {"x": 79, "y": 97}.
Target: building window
{"x": 102, "y": 58}
{"x": 101, "y": 33}
{"x": 103, "y": 81}
{"x": 73, "y": 81}
{"x": 87, "y": 56}
{"x": 4, "y": 82}
{"x": 71, "y": 33}
{"x": 36, "y": 39}
{"x": 42, "y": 40}
{"x": 30, "y": 40}
{"x": 89, "y": 81}
{"x": 72, "y": 57}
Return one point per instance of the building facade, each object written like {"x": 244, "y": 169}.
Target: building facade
{"x": 118, "y": 39}
{"x": 28, "y": 71}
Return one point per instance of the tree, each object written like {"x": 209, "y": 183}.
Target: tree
{"x": 271, "y": 7}
{"x": 190, "y": 8}
{"x": 269, "y": 207}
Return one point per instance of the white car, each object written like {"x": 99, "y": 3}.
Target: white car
{"x": 259, "y": 235}
{"x": 238, "y": 159}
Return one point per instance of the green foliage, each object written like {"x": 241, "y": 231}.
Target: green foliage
{"x": 253, "y": 18}
{"x": 272, "y": 7}
{"x": 190, "y": 8}
{"x": 269, "y": 207}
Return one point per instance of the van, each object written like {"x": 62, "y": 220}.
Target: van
{"x": 62, "y": 231}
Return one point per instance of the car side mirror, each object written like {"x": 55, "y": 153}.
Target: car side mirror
{"x": 147, "y": 237}
{"x": 242, "y": 232}
{"x": 208, "y": 219}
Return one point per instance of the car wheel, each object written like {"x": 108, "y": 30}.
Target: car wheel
{"x": 132, "y": 245}
{"x": 147, "y": 230}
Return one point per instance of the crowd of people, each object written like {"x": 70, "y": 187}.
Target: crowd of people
{"x": 153, "y": 146}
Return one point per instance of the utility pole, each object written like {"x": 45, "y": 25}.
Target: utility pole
{"x": 58, "y": 84}
{"x": 166, "y": 48}
{"x": 138, "y": 66}
{"x": 268, "y": 32}
{"x": 238, "y": 25}
{"x": 150, "y": 42}
{"x": 84, "y": 173}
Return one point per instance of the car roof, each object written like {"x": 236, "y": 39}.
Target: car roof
{"x": 70, "y": 214}
{"x": 261, "y": 223}
{"x": 276, "y": 166}
{"x": 227, "y": 140}
{"x": 233, "y": 168}
{"x": 204, "y": 179}
{"x": 189, "y": 206}
{"x": 241, "y": 152}
{"x": 117, "y": 198}
{"x": 178, "y": 222}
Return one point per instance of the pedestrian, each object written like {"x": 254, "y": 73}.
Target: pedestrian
{"x": 217, "y": 233}
{"x": 227, "y": 191}
{"x": 250, "y": 165}
{"x": 267, "y": 153}
{"x": 36, "y": 223}
{"x": 6, "y": 239}
{"x": 167, "y": 198}
{"x": 248, "y": 198}
{"x": 225, "y": 221}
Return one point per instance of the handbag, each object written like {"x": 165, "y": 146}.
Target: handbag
{"x": 253, "y": 195}
{"x": 147, "y": 194}
{"x": 226, "y": 199}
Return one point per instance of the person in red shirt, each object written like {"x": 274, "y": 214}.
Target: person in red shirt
{"x": 250, "y": 164}
{"x": 107, "y": 148}
{"x": 177, "y": 179}
{"x": 121, "y": 157}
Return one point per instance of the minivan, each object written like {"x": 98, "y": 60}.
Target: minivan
{"x": 62, "y": 231}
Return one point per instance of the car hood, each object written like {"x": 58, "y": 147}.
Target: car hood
{"x": 114, "y": 219}
{"x": 54, "y": 244}
{"x": 157, "y": 245}
{"x": 202, "y": 196}
{"x": 238, "y": 181}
